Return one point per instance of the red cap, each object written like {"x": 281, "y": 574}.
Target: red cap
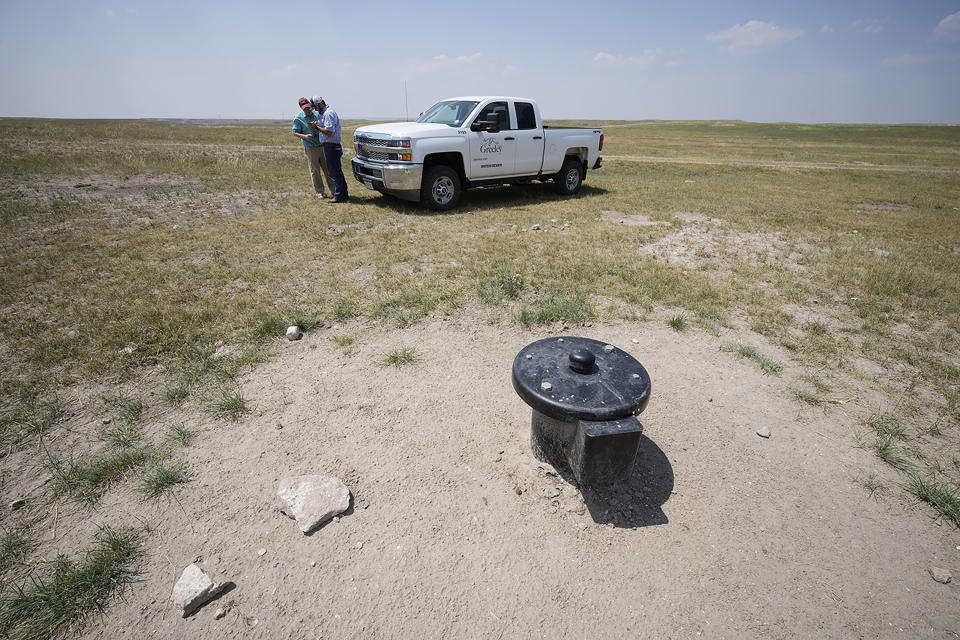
{"x": 303, "y": 102}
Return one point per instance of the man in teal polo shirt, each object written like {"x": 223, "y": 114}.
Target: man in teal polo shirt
{"x": 305, "y": 127}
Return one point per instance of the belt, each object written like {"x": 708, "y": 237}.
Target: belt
{"x": 330, "y": 144}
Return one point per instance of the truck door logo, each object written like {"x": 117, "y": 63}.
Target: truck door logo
{"x": 489, "y": 145}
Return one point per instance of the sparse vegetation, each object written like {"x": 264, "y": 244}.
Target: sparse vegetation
{"x": 678, "y": 321}
{"x": 86, "y": 479}
{"x": 57, "y": 604}
{"x": 746, "y": 351}
{"x": 227, "y": 405}
{"x": 14, "y": 546}
{"x": 344, "y": 341}
{"x": 159, "y": 478}
{"x": 944, "y": 497}
{"x": 180, "y": 434}
{"x": 400, "y": 357}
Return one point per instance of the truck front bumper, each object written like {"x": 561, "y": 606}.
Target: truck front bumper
{"x": 401, "y": 180}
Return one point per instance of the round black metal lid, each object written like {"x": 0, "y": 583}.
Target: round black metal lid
{"x": 582, "y": 378}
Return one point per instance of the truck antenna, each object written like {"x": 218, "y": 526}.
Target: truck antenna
{"x": 406, "y": 107}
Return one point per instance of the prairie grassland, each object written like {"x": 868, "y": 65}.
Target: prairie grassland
{"x": 134, "y": 244}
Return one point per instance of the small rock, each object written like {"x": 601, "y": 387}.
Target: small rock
{"x": 709, "y": 399}
{"x": 359, "y": 546}
{"x": 313, "y": 563}
{"x": 535, "y": 227}
{"x": 17, "y": 504}
{"x": 127, "y": 350}
{"x": 193, "y": 589}
{"x": 764, "y": 432}
{"x": 312, "y": 500}
{"x": 261, "y": 551}
{"x": 219, "y": 613}
{"x": 106, "y": 421}
{"x": 279, "y": 426}
{"x": 518, "y": 490}
{"x": 294, "y": 333}
{"x": 940, "y": 575}
{"x": 635, "y": 341}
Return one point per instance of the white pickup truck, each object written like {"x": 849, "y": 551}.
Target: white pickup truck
{"x": 471, "y": 142}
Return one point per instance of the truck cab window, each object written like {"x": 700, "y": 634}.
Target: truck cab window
{"x": 496, "y": 110}
{"x": 526, "y": 118}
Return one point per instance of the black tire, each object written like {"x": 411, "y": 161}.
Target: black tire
{"x": 570, "y": 178}
{"x": 440, "y": 189}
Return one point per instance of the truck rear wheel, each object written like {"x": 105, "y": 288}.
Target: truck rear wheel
{"x": 570, "y": 178}
{"x": 440, "y": 189}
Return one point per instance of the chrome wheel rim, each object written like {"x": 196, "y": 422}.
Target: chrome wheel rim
{"x": 443, "y": 189}
{"x": 573, "y": 179}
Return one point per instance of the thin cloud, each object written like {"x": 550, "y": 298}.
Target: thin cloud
{"x": 754, "y": 36}
{"x": 110, "y": 13}
{"x": 872, "y": 25}
{"x": 649, "y": 58}
{"x": 949, "y": 27}
{"x": 826, "y": 29}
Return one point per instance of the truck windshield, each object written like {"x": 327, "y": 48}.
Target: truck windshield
{"x": 451, "y": 112}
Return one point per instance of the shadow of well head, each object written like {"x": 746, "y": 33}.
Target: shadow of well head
{"x": 635, "y": 501}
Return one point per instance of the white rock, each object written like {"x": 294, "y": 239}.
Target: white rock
{"x": 219, "y": 613}
{"x": 294, "y": 333}
{"x": 312, "y": 500}
{"x": 764, "y": 432}
{"x": 940, "y": 575}
{"x": 535, "y": 227}
{"x": 193, "y": 589}
{"x": 261, "y": 551}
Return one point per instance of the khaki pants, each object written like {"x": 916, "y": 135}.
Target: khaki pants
{"x": 318, "y": 169}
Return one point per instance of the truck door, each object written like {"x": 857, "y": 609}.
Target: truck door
{"x": 529, "y": 140}
{"x": 493, "y": 154}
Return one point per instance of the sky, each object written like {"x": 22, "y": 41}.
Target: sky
{"x": 870, "y": 61}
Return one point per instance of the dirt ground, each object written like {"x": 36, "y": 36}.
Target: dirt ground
{"x": 457, "y": 531}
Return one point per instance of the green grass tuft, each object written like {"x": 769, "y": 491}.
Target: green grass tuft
{"x": 14, "y": 546}
{"x": 160, "y": 478}
{"x": 886, "y": 450}
{"x": 228, "y": 405}
{"x": 176, "y": 392}
{"x": 180, "y": 434}
{"x": 87, "y": 480}
{"x": 58, "y": 604}
{"x": 122, "y": 435}
{"x": 810, "y": 397}
{"x": 678, "y": 322}
{"x": 885, "y": 424}
{"x": 746, "y": 351}
{"x": 872, "y": 484}
{"x": 944, "y": 497}
{"x": 400, "y": 357}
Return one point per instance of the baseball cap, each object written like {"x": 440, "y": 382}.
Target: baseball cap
{"x": 316, "y": 99}
{"x": 303, "y": 102}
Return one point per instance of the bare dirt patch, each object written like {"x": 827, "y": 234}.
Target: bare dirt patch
{"x": 631, "y": 219}
{"x": 455, "y": 530}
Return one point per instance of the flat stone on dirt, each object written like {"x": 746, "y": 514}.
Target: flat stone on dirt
{"x": 312, "y": 500}
{"x": 764, "y": 432}
{"x": 940, "y": 575}
{"x": 294, "y": 333}
{"x": 193, "y": 589}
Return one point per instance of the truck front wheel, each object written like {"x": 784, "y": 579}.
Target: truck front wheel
{"x": 570, "y": 178}
{"x": 440, "y": 189}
